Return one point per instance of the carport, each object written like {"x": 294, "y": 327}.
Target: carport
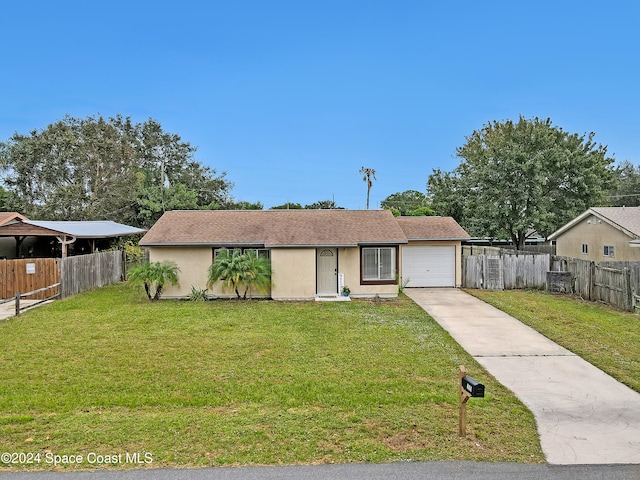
{"x": 65, "y": 232}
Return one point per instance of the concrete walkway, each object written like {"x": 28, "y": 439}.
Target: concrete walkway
{"x": 584, "y": 416}
{"x": 8, "y": 309}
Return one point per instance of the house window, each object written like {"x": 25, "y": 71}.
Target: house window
{"x": 585, "y": 249}
{"x": 259, "y": 252}
{"x": 379, "y": 264}
{"x": 609, "y": 251}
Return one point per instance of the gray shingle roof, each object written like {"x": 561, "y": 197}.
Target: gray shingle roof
{"x": 432, "y": 228}
{"x": 280, "y": 228}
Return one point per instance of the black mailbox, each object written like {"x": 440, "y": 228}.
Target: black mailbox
{"x": 473, "y": 387}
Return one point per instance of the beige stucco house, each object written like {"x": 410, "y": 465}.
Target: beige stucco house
{"x": 600, "y": 234}
{"x": 314, "y": 253}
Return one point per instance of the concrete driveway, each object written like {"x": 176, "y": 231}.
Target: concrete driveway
{"x": 583, "y": 415}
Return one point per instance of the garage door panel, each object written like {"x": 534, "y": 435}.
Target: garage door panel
{"x": 429, "y": 266}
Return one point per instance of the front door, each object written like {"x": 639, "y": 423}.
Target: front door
{"x": 327, "y": 271}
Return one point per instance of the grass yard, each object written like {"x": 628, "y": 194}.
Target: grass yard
{"x": 244, "y": 383}
{"x": 607, "y": 338}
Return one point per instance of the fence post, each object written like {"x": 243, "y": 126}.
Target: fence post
{"x": 17, "y": 303}
{"x": 626, "y": 288}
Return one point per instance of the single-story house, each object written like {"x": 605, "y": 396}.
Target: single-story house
{"x": 313, "y": 253}
{"x": 39, "y": 238}
{"x": 601, "y": 233}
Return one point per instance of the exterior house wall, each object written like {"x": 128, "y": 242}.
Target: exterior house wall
{"x": 596, "y": 234}
{"x": 194, "y": 268}
{"x": 294, "y": 273}
{"x": 293, "y": 278}
{"x": 435, "y": 243}
{"x": 349, "y": 265}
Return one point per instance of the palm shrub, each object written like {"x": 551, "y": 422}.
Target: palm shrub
{"x": 154, "y": 276}
{"x": 237, "y": 270}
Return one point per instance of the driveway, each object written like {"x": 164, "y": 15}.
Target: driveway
{"x": 583, "y": 415}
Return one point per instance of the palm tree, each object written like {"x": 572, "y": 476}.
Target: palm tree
{"x": 367, "y": 173}
{"x": 154, "y": 276}
{"x": 236, "y": 269}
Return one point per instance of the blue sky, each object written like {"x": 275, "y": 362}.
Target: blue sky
{"x": 291, "y": 98}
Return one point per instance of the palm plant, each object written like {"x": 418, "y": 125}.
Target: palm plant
{"x": 236, "y": 270}
{"x": 367, "y": 173}
{"x": 154, "y": 276}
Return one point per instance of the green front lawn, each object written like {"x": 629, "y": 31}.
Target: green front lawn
{"x": 238, "y": 383}
{"x": 607, "y": 338}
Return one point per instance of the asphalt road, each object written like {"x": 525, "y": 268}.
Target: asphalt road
{"x": 389, "y": 471}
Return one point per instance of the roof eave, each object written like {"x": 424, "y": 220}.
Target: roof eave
{"x": 434, "y": 239}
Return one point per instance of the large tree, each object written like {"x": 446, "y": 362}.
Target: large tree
{"x": 106, "y": 168}
{"x": 516, "y": 177}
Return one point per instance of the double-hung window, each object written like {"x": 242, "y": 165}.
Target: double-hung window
{"x": 378, "y": 264}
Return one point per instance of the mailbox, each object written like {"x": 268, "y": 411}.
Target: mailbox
{"x": 473, "y": 387}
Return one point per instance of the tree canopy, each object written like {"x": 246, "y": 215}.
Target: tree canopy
{"x": 627, "y": 189}
{"x": 407, "y": 203}
{"x": 319, "y": 205}
{"x": 106, "y": 169}
{"x": 516, "y": 177}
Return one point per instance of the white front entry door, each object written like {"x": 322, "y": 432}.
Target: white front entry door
{"x": 327, "y": 273}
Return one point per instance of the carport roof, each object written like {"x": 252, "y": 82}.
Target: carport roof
{"x": 78, "y": 229}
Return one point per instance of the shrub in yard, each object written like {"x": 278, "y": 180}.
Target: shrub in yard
{"x": 237, "y": 270}
{"x": 154, "y": 276}
{"x": 197, "y": 295}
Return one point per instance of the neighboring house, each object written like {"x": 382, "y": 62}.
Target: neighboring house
{"x": 601, "y": 233}
{"x": 313, "y": 253}
{"x": 34, "y": 238}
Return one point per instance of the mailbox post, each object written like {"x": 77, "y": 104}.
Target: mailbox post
{"x": 468, "y": 388}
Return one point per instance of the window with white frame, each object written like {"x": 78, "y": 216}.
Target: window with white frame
{"x": 585, "y": 249}
{"x": 259, "y": 252}
{"x": 609, "y": 251}
{"x": 378, "y": 264}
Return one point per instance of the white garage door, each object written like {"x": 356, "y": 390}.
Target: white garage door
{"x": 429, "y": 266}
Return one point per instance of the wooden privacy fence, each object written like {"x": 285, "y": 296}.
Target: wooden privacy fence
{"x": 74, "y": 274}
{"x": 28, "y": 275}
{"x": 85, "y": 272}
{"x": 613, "y": 283}
{"x": 494, "y": 272}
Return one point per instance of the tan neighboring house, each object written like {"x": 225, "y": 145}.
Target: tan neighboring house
{"x": 313, "y": 253}
{"x": 601, "y": 234}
